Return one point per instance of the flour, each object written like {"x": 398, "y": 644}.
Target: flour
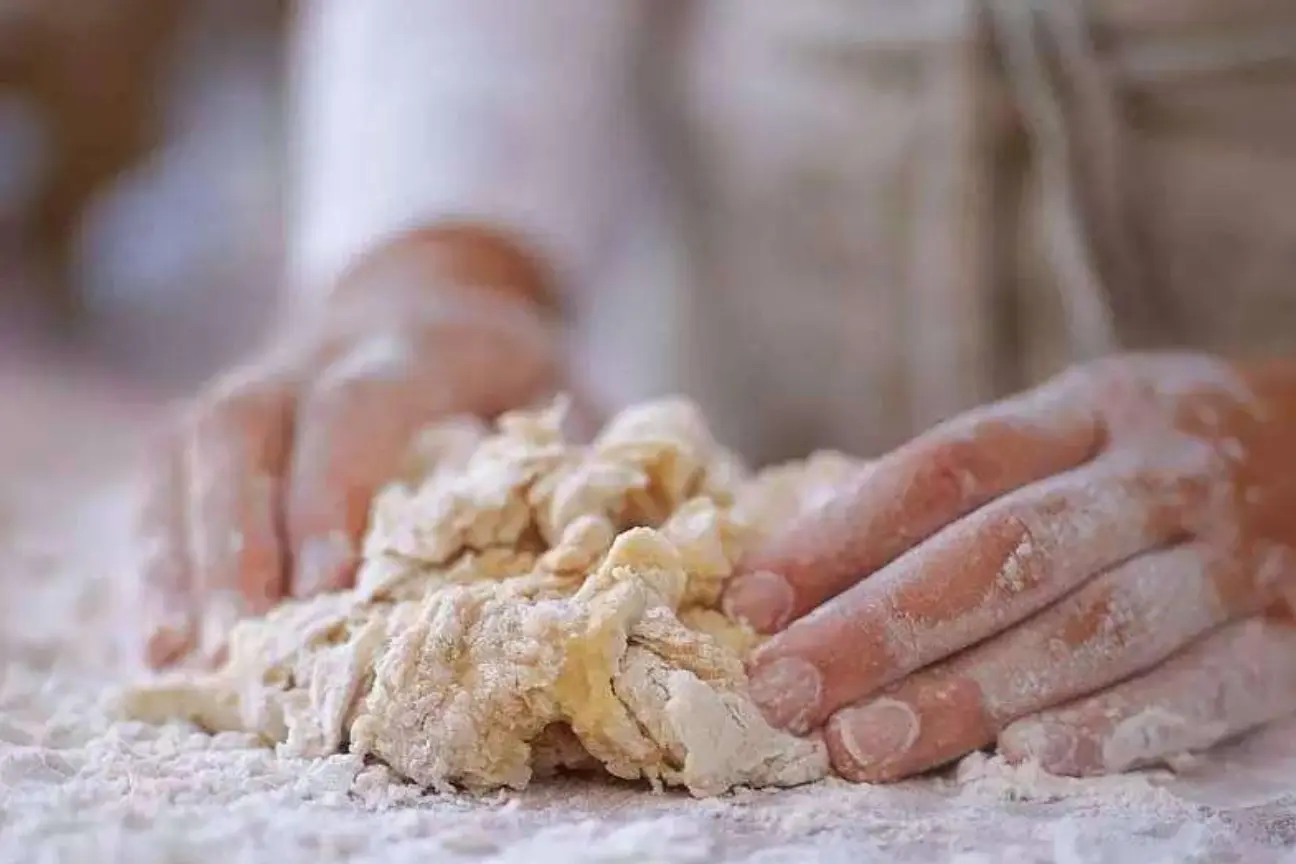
{"x": 528, "y": 605}
{"x": 80, "y": 784}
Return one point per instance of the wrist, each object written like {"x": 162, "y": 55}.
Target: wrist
{"x": 445, "y": 264}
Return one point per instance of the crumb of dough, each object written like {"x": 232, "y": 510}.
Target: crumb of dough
{"x": 528, "y": 605}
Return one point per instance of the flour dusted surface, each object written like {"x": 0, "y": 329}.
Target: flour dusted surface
{"x": 528, "y": 604}
{"x": 80, "y": 785}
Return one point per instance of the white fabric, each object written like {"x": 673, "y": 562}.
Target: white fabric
{"x": 509, "y": 111}
{"x": 833, "y": 222}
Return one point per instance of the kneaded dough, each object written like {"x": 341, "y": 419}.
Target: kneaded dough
{"x": 528, "y": 605}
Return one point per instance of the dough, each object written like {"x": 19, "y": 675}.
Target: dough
{"x": 528, "y": 605}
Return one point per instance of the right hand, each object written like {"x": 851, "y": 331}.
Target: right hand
{"x": 1095, "y": 574}
{"x": 260, "y": 489}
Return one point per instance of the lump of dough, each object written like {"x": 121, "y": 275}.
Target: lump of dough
{"x": 528, "y": 605}
{"x": 295, "y": 677}
{"x": 461, "y": 695}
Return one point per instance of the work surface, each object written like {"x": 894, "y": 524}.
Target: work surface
{"x": 79, "y": 786}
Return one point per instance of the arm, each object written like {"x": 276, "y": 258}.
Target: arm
{"x": 456, "y": 160}
{"x": 504, "y": 114}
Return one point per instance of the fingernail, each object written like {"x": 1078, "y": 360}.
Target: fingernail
{"x": 877, "y": 733}
{"x": 168, "y": 632}
{"x": 763, "y": 599}
{"x": 787, "y": 691}
{"x": 1052, "y": 747}
{"x": 321, "y": 563}
{"x": 165, "y": 645}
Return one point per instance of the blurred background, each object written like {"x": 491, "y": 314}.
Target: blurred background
{"x": 142, "y": 191}
{"x": 129, "y": 119}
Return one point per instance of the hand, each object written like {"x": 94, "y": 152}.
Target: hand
{"x": 1091, "y": 573}
{"x": 261, "y": 487}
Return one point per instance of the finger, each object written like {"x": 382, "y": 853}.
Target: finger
{"x": 167, "y": 595}
{"x": 912, "y": 493}
{"x": 1123, "y": 622}
{"x": 356, "y": 421}
{"x": 353, "y": 425}
{"x": 1241, "y": 677}
{"x": 236, "y": 456}
{"x": 972, "y": 580}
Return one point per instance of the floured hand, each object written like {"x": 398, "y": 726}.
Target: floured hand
{"x": 261, "y": 487}
{"x": 1091, "y": 574}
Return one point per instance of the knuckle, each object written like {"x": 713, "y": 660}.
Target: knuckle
{"x": 1099, "y": 385}
{"x": 250, "y": 401}
{"x": 237, "y": 427}
{"x": 243, "y": 397}
{"x": 957, "y": 471}
{"x": 379, "y": 360}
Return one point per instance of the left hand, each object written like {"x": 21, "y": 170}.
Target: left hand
{"x": 259, "y": 488}
{"x": 1092, "y": 574}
